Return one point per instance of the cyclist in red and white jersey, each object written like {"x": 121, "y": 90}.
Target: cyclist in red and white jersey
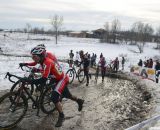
{"x": 51, "y": 67}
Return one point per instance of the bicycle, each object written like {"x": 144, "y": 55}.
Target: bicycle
{"x": 13, "y": 105}
{"x": 32, "y": 75}
{"x": 72, "y": 73}
{"x": 97, "y": 73}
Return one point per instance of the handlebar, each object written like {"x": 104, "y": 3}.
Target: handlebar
{"x": 9, "y": 75}
{"x": 30, "y": 68}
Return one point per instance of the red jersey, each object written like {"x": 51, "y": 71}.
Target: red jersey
{"x": 51, "y": 56}
{"x": 52, "y": 68}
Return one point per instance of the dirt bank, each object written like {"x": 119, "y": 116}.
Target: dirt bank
{"x": 112, "y": 105}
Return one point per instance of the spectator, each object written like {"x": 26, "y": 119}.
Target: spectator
{"x": 150, "y": 63}
{"x": 92, "y": 60}
{"x": 101, "y": 55}
{"x": 157, "y": 70}
{"x": 123, "y": 61}
{"x": 140, "y": 63}
{"x": 116, "y": 64}
{"x": 71, "y": 55}
{"x": 77, "y": 58}
{"x": 144, "y": 69}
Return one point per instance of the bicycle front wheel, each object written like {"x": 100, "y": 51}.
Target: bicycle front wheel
{"x": 17, "y": 85}
{"x": 81, "y": 76}
{"x": 47, "y": 106}
{"x": 12, "y": 111}
{"x": 70, "y": 73}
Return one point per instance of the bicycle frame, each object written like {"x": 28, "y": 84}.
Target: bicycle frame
{"x": 22, "y": 89}
{"x": 36, "y": 101}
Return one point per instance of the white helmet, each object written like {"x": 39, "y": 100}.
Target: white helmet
{"x": 38, "y": 51}
{"x": 42, "y": 46}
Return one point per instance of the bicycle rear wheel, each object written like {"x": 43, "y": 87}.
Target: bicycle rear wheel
{"x": 81, "y": 76}
{"x": 70, "y": 73}
{"x": 47, "y": 106}
{"x": 12, "y": 111}
{"x": 17, "y": 85}
{"x": 96, "y": 74}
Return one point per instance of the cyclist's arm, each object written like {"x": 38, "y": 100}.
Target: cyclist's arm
{"x": 31, "y": 64}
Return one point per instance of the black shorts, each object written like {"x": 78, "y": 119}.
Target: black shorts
{"x": 56, "y": 97}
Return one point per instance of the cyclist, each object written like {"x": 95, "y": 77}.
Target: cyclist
{"x": 102, "y": 63}
{"x": 71, "y": 55}
{"x": 85, "y": 62}
{"x": 51, "y": 67}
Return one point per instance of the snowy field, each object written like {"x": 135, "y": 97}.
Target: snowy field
{"x": 17, "y": 44}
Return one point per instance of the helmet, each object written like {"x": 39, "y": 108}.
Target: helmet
{"x": 38, "y": 51}
{"x": 42, "y": 46}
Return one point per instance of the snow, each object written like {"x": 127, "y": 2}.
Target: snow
{"x": 17, "y": 44}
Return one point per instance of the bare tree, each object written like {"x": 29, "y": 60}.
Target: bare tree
{"x": 56, "y": 22}
{"x": 142, "y": 32}
{"x": 148, "y": 31}
{"x": 28, "y": 29}
{"x": 137, "y": 29}
{"x": 106, "y": 34}
{"x": 115, "y": 28}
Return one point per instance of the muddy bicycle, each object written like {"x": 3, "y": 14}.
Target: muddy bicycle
{"x": 30, "y": 74}
{"x": 97, "y": 73}
{"x": 14, "y": 105}
{"x": 73, "y": 73}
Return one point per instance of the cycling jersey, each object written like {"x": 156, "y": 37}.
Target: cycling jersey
{"x": 51, "y": 56}
{"x": 54, "y": 69}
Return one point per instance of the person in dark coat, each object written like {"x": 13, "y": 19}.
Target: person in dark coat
{"x": 123, "y": 61}
{"x": 150, "y": 64}
{"x": 140, "y": 63}
{"x": 85, "y": 62}
{"x": 116, "y": 64}
{"x": 157, "y": 70}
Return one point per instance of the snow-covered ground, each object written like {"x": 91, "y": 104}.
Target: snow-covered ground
{"x": 17, "y": 44}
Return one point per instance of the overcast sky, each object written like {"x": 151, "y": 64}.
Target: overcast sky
{"x": 78, "y": 14}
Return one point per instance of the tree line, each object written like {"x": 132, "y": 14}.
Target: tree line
{"x": 138, "y": 34}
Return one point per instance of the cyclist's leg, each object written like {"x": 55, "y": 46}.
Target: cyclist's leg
{"x": 56, "y": 95}
{"x": 67, "y": 94}
{"x": 103, "y": 73}
{"x": 86, "y": 74}
{"x": 56, "y": 101}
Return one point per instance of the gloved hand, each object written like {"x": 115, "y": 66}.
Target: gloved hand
{"x": 22, "y": 64}
{"x": 35, "y": 70}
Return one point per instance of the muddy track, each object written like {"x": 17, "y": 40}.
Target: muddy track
{"x": 112, "y": 105}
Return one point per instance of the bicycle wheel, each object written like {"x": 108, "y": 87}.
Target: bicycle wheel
{"x": 96, "y": 74}
{"x": 47, "y": 106}
{"x": 12, "y": 111}
{"x": 70, "y": 73}
{"x": 17, "y": 85}
{"x": 81, "y": 76}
